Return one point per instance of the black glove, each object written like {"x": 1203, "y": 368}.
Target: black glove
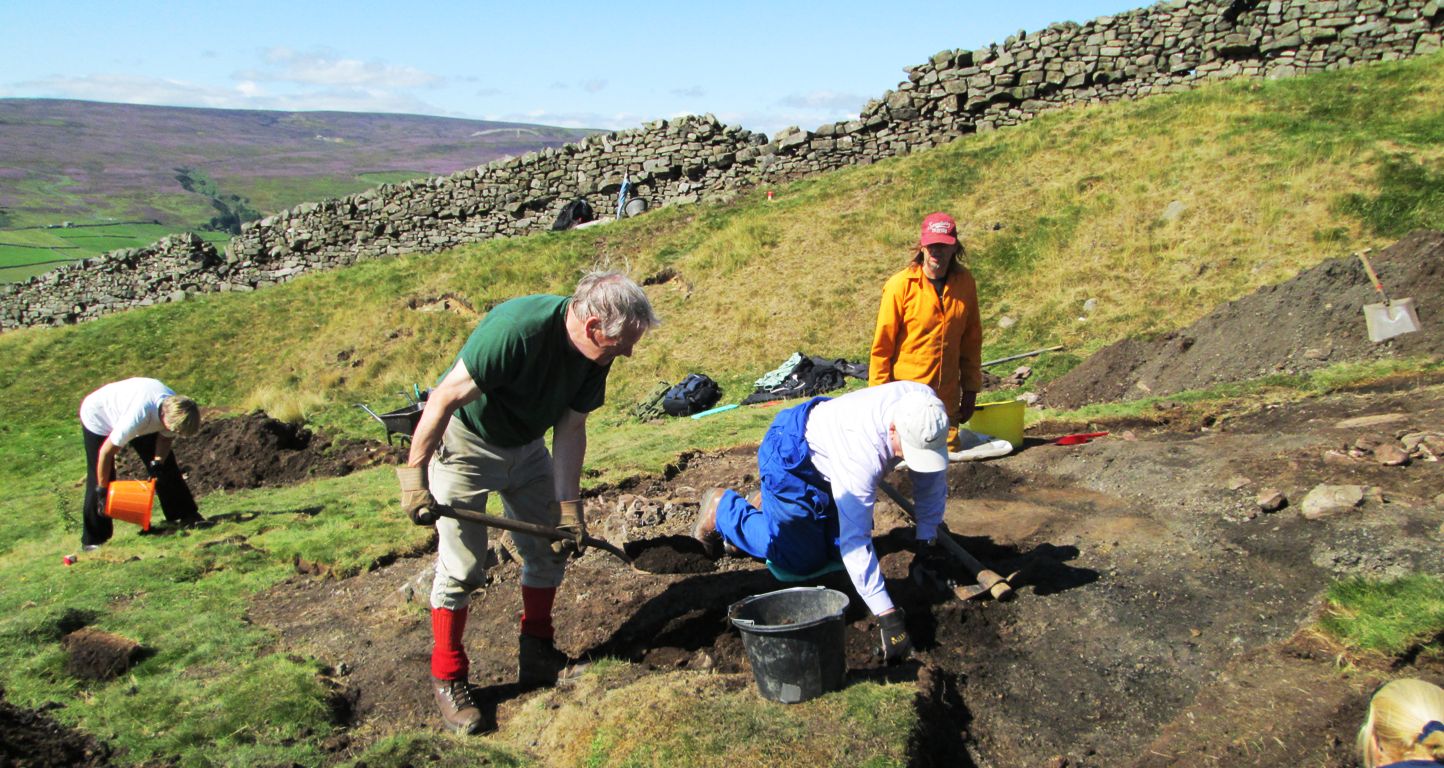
{"x": 896, "y": 644}
{"x": 153, "y": 468}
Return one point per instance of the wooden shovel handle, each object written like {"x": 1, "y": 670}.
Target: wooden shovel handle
{"x": 1373, "y": 277}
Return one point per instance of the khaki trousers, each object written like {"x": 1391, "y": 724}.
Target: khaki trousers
{"x": 463, "y": 472}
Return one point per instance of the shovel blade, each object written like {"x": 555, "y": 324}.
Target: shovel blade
{"x": 1390, "y": 319}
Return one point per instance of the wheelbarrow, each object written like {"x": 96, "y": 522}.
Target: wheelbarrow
{"x": 401, "y": 421}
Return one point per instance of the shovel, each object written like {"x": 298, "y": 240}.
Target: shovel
{"x": 988, "y": 581}
{"x": 531, "y": 529}
{"x": 1387, "y": 320}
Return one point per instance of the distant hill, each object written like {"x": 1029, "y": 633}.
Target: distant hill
{"x": 129, "y": 165}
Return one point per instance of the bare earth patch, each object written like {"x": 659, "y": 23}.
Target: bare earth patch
{"x": 1155, "y": 626}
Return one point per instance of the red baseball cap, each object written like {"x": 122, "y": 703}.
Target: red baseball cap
{"x": 939, "y": 228}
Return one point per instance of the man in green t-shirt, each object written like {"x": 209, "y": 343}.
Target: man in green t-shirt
{"x": 532, "y": 364}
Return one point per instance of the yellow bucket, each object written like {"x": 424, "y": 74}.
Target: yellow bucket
{"x": 130, "y": 500}
{"x": 1003, "y": 420}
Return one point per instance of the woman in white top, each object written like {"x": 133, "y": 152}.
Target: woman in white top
{"x": 146, "y": 415}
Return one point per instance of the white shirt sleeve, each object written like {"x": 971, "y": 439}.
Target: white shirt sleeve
{"x": 856, "y": 495}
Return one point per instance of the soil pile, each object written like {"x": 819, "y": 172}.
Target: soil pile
{"x": 1310, "y": 322}
{"x": 28, "y": 737}
{"x": 257, "y": 451}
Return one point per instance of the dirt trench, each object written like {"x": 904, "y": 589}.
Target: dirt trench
{"x": 1159, "y": 609}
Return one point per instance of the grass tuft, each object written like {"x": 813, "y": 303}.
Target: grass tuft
{"x": 1394, "y": 618}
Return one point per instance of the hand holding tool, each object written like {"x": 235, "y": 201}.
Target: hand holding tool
{"x": 996, "y": 585}
{"x": 416, "y": 499}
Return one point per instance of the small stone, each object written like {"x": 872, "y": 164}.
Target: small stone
{"x": 1371, "y": 421}
{"x": 1318, "y": 353}
{"x": 1391, "y": 455}
{"x": 1326, "y": 500}
{"x": 1368, "y": 442}
{"x": 1089, "y": 306}
{"x": 1338, "y": 458}
{"x": 1005, "y": 322}
{"x": 1271, "y": 500}
{"x": 1238, "y": 481}
{"x": 1195, "y": 632}
{"x": 1129, "y": 436}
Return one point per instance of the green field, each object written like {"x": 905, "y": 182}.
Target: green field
{"x": 27, "y": 252}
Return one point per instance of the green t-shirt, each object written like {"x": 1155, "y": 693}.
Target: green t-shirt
{"x": 528, "y": 372}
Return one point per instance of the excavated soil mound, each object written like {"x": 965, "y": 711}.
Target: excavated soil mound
{"x": 32, "y": 738}
{"x": 1312, "y": 321}
{"x": 256, "y": 451}
{"x": 96, "y": 655}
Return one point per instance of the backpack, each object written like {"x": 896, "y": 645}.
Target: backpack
{"x": 576, "y": 212}
{"x": 651, "y": 406}
{"x": 694, "y": 394}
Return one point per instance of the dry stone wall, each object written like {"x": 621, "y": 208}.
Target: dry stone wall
{"x": 1173, "y": 45}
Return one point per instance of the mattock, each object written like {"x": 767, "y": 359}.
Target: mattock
{"x": 988, "y": 581}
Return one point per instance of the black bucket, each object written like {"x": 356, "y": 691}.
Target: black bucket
{"x": 794, "y": 640}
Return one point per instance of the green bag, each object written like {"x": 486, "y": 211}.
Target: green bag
{"x": 651, "y": 406}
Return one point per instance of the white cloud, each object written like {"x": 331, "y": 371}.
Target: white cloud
{"x": 690, "y": 92}
{"x": 246, "y": 94}
{"x": 326, "y": 69}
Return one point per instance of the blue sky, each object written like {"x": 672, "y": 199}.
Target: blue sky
{"x": 761, "y": 65}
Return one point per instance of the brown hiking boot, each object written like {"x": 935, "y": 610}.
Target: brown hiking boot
{"x": 458, "y": 711}
{"x": 705, "y": 529}
{"x": 538, "y": 662}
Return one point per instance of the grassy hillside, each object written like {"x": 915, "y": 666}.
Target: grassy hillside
{"x": 119, "y": 164}
{"x": 1159, "y": 210}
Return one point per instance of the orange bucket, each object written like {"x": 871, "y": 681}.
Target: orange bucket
{"x": 130, "y": 500}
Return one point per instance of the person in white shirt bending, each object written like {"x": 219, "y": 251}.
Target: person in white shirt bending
{"x": 820, "y": 463}
{"x": 148, "y": 416}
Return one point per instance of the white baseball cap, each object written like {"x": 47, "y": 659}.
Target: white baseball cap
{"x": 922, "y": 428}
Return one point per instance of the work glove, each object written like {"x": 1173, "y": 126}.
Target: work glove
{"x": 572, "y": 523}
{"x": 152, "y": 468}
{"x": 416, "y": 499}
{"x": 896, "y": 644}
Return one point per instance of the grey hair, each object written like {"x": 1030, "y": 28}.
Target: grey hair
{"x": 614, "y": 299}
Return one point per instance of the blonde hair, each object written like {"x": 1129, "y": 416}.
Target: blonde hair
{"x": 1406, "y": 718}
{"x": 181, "y": 415}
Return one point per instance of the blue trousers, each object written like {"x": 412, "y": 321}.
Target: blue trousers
{"x": 796, "y": 529}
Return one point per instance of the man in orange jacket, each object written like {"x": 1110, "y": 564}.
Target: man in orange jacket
{"x": 928, "y": 327}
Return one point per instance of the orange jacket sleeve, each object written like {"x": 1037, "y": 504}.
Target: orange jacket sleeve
{"x": 885, "y": 334}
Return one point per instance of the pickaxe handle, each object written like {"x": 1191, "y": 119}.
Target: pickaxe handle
{"x": 996, "y": 585}
{"x": 531, "y": 529}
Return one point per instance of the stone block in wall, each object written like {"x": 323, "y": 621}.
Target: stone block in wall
{"x": 1281, "y": 43}
{"x": 1237, "y": 46}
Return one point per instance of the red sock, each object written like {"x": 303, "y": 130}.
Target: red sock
{"x": 448, "y": 657}
{"x": 536, "y": 611}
